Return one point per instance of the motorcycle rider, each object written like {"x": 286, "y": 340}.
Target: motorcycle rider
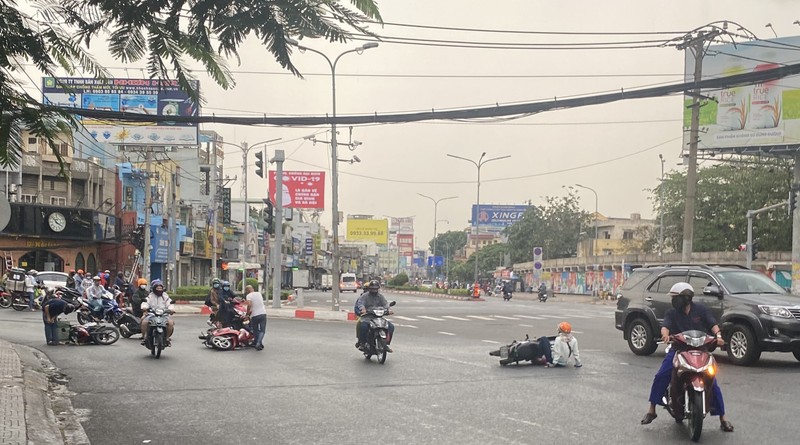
{"x": 94, "y": 294}
{"x": 80, "y": 278}
{"x": 139, "y": 297}
{"x": 564, "y": 346}
{"x": 685, "y": 316}
{"x": 158, "y": 298}
{"x": 370, "y": 300}
{"x": 212, "y": 300}
{"x": 542, "y": 288}
{"x": 225, "y": 306}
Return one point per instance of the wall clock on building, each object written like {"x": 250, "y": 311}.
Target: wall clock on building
{"x": 57, "y": 221}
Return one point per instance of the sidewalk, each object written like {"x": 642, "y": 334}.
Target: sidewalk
{"x": 31, "y": 393}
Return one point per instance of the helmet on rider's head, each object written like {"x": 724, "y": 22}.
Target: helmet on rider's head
{"x": 226, "y": 284}
{"x": 681, "y": 288}
{"x": 216, "y": 282}
{"x": 72, "y": 271}
{"x": 155, "y": 283}
{"x": 96, "y": 278}
{"x": 80, "y": 271}
{"x": 564, "y": 327}
{"x": 141, "y": 282}
{"x": 33, "y": 272}
{"x": 373, "y": 286}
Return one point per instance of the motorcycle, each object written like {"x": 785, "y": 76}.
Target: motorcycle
{"x": 377, "y": 334}
{"x": 689, "y": 393}
{"x": 542, "y": 296}
{"x": 129, "y": 324}
{"x": 156, "y": 339}
{"x": 506, "y": 295}
{"x": 97, "y": 333}
{"x": 525, "y": 350}
{"x": 19, "y": 300}
{"x": 5, "y": 298}
{"x": 230, "y": 338}
{"x": 109, "y": 311}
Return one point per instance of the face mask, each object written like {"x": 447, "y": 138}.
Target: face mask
{"x": 680, "y": 302}
{"x": 226, "y": 288}
{"x": 143, "y": 287}
{"x": 158, "y": 292}
{"x": 216, "y": 285}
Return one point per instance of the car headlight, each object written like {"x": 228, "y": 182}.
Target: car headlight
{"x": 775, "y": 311}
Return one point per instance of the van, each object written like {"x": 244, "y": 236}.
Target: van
{"x": 348, "y": 282}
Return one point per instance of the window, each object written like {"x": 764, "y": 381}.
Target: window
{"x": 32, "y": 141}
{"x": 63, "y": 149}
{"x": 665, "y": 283}
{"x": 58, "y": 201}
{"x": 627, "y": 234}
{"x": 30, "y": 199}
{"x": 699, "y": 282}
{"x": 80, "y": 262}
{"x": 52, "y": 185}
{"x": 91, "y": 265}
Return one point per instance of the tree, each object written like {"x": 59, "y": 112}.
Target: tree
{"x": 489, "y": 258}
{"x": 725, "y": 192}
{"x": 555, "y": 226}
{"x": 452, "y": 240}
{"x": 164, "y": 33}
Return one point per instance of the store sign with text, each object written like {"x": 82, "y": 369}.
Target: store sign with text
{"x": 301, "y": 189}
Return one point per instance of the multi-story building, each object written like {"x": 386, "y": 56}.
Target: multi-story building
{"x": 616, "y": 236}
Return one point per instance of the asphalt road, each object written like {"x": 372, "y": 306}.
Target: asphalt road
{"x": 310, "y": 385}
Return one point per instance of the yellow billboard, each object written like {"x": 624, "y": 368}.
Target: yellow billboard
{"x": 376, "y": 230}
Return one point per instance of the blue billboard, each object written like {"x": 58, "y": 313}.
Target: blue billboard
{"x": 498, "y": 215}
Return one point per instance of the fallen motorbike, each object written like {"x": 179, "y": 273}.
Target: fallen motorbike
{"x": 526, "y": 350}
{"x": 230, "y": 337}
{"x": 86, "y": 333}
{"x": 689, "y": 393}
{"x": 156, "y": 339}
{"x": 542, "y": 296}
{"x": 377, "y": 334}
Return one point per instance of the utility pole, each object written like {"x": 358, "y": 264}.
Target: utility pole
{"x": 796, "y": 232}
{"x": 277, "y": 251}
{"x": 245, "y": 151}
{"x": 661, "y": 209}
{"x": 697, "y": 46}
{"x": 172, "y": 223}
{"x": 212, "y": 218}
{"x": 148, "y": 204}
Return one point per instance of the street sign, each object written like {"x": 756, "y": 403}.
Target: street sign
{"x": 226, "y": 205}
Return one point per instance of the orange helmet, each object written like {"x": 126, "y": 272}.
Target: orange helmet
{"x": 564, "y": 327}
{"x": 80, "y": 271}
{"x": 141, "y": 281}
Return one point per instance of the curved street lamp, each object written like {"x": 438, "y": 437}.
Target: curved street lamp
{"x": 435, "y": 221}
{"x": 334, "y": 159}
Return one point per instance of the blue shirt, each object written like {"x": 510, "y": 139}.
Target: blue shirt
{"x": 699, "y": 318}
{"x": 56, "y": 306}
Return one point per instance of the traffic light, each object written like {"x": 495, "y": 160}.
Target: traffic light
{"x": 260, "y": 163}
{"x": 269, "y": 216}
{"x": 754, "y": 250}
{"x": 137, "y": 237}
{"x": 793, "y": 196}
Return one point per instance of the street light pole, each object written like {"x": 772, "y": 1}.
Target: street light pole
{"x": 334, "y": 161}
{"x": 435, "y": 221}
{"x": 475, "y": 221}
{"x": 661, "y": 210}
{"x": 594, "y": 242}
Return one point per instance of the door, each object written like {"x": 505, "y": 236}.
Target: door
{"x": 699, "y": 280}
{"x": 656, "y": 296}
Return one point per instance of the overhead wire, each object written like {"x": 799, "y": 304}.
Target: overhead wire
{"x": 513, "y": 31}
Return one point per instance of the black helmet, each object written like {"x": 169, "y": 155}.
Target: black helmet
{"x": 374, "y": 285}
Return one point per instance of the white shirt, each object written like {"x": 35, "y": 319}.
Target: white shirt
{"x": 256, "y": 304}
{"x": 30, "y": 283}
{"x": 155, "y": 301}
{"x": 564, "y": 346}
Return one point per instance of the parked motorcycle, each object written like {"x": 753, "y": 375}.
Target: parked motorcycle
{"x": 377, "y": 334}
{"x": 689, "y": 393}
{"x": 157, "y": 328}
{"x": 97, "y": 333}
{"x": 542, "y": 296}
{"x": 5, "y": 297}
{"x": 232, "y": 337}
{"x": 525, "y": 350}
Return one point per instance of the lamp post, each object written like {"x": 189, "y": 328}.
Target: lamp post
{"x": 435, "y": 221}
{"x": 334, "y": 160}
{"x": 594, "y": 242}
{"x": 661, "y": 210}
{"x": 478, "y": 165}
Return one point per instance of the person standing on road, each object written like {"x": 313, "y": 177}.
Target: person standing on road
{"x": 258, "y": 316}
{"x": 685, "y": 316}
{"x": 50, "y": 312}
{"x": 30, "y": 286}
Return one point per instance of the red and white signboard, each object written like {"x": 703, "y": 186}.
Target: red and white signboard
{"x": 405, "y": 243}
{"x": 301, "y": 190}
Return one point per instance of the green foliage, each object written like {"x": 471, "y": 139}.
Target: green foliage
{"x": 555, "y": 226}
{"x": 162, "y": 34}
{"x": 489, "y": 258}
{"x": 192, "y": 290}
{"x": 449, "y": 242}
{"x": 399, "y": 280}
{"x": 252, "y": 282}
{"x": 725, "y": 192}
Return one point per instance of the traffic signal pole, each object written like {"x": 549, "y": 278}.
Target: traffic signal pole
{"x": 796, "y": 234}
{"x": 751, "y": 253}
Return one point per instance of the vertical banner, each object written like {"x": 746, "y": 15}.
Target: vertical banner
{"x": 226, "y": 205}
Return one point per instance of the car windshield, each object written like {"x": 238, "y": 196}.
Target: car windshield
{"x": 744, "y": 282}
{"x": 52, "y": 277}
{"x": 348, "y": 279}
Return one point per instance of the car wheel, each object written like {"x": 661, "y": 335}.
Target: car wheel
{"x": 796, "y": 354}
{"x": 640, "y": 337}
{"x": 742, "y": 346}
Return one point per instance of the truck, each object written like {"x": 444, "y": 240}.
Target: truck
{"x": 300, "y": 279}
{"x": 326, "y": 282}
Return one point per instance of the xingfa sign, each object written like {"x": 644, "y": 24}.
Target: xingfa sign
{"x": 497, "y": 215}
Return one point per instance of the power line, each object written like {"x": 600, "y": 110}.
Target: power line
{"x": 507, "y": 31}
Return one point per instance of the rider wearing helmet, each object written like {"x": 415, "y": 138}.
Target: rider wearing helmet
{"x": 139, "y": 297}
{"x": 371, "y": 299}
{"x": 685, "y": 316}
{"x": 565, "y": 346}
{"x": 224, "y": 305}
{"x": 94, "y": 295}
{"x": 157, "y": 298}
{"x": 79, "y": 281}
{"x": 212, "y": 300}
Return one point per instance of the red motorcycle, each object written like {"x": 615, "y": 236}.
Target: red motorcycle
{"x": 689, "y": 394}
{"x": 232, "y": 337}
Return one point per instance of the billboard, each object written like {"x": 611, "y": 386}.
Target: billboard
{"x": 762, "y": 114}
{"x": 405, "y": 244}
{"x": 301, "y": 189}
{"x": 498, "y": 215}
{"x": 142, "y": 96}
{"x": 402, "y": 225}
{"x": 376, "y": 230}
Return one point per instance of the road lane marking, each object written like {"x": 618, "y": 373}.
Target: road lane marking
{"x": 405, "y": 326}
{"x": 492, "y": 342}
{"x": 446, "y": 333}
{"x": 404, "y": 318}
{"x": 529, "y": 316}
{"x": 481, "y": 318}
{"x": 455, "y": 318}
{"x": 550, "y": 316}
{"x": 526, "y": 325}
{"x": 430, "y": 318}
{"x": 577, "y": 316}
{"x": 504, "y": 317}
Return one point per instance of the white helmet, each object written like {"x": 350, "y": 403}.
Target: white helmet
{"x": 682, "y": 287}
{"x": 33, "y": 272}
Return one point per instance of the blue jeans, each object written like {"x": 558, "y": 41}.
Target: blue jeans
{"x": 663, "y": 377}
{"x": 30, "y": 300}
{"x": 363, "y": 329}
{"x": 50, "y": 330}
{"x": 258, "y": 323}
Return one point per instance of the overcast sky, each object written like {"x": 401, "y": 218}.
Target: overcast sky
{"x": 612, "y": 148}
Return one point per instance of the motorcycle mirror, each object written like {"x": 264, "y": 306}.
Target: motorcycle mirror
{"x": 392, "y": 303}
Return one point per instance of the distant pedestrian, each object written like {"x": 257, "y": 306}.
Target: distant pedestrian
{"x": 50, "y": 312}
{"x": 71, "y": 280}
{"x": 258, "y": 316}
{"x": 30, "y": 287}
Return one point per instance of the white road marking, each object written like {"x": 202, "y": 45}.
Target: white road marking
{"x": 481, "y": 318}
{"x": 550, "y": 316}
{"x": 455, "y": 318}
{"x": 314, "y": 301}
{"x": 504, "y": 317}
{"x": 529, "y": 316}
{"x": 577, "y": 316}
{"x": 491, "y": 341}
{"x": 446, "y": 333}
{"x": 526, "y": 325}
{"x": 404, "y": 318}
{"x": 405, "y": 326}
{"x": 431, "y": 318}
{"x": 577, "y": 332}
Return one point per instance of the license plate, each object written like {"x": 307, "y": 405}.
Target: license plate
{"x": 504, "y": 352}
